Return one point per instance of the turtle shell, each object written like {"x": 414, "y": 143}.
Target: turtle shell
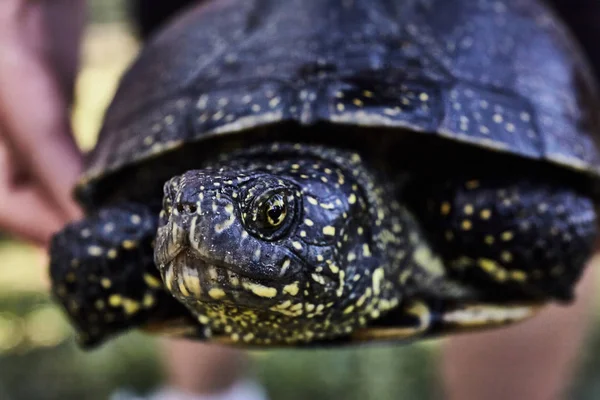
{"x": 500, "y": 75}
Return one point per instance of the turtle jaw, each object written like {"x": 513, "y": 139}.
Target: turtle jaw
{"x": 194, "y": 280}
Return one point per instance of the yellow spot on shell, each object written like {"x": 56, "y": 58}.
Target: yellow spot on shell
{"x": 485, "y": 214}
{"x": 352, "y": 198}
{"x": 106, "y": 283}
{"x": 466, "y": 225}
{"x": 297, "y": 245}
{"x": 216, "y": 293}
{"x": 203, "y": 319}
{"x": 469, "y": 209}
{"x": 348, "y": 309}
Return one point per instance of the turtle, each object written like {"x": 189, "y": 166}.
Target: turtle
{"x": 330, "y": 172}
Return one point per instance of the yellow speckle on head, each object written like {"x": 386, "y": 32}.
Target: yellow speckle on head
{"x": 115, "y": 300}
{"x": 203, "y": 319}
{"x": 334, "y": 268}
{"x": 378, "y": 276}
{"x": 352, "y": 198}
{"x": 445, "y": 208}
{"x": 151, "y": 281}
{"x": 329, "y": 230}
{"x": 357, "y": 102}
{"x": 466, "y": 225}
{"x": 260, "y": 290}
{"x": 112, "y": 254}
{"x": 291, "y": 289}
{"x": 136, "y": 219}
{"x": 248, "y": 337}
{"x": 348, "y": 309}
{"x": 216, "y": 293}
{"x": 423, "y": 96}
{"x": 318, "y": 278}
{"x": 308, "y": 222}
{"x": 485, "y": 214}
{"x": 366, "y": 250}
{"x": 312, "y": 200}
{"x": 297, "y": 245}
{"x": 106, "y": 283}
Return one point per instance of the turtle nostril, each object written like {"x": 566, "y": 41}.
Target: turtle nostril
{"x": 186, "y": 208}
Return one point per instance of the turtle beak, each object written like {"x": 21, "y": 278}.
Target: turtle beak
{"x": 171, "y": 240}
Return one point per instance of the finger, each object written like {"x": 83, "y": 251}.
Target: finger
{"x": 24, "y": 212}
{"x": 26, "y": 216}
{"x": 35, "y": 118}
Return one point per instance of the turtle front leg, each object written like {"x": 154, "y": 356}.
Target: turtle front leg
{"x": 103, "y": 274}
{"x": 510, "y": 237}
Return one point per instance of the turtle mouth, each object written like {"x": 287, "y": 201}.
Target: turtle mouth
{"x": 192, "y": 279}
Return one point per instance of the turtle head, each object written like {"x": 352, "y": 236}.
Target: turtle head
{"x": 268, "y": 249}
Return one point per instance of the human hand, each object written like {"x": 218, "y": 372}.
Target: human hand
{"x": 39, "y": 160}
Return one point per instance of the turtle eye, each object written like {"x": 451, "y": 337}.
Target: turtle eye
{"x": 270, "y": 214}
{"x": 275, "y": 210}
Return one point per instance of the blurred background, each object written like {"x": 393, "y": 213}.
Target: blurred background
{"x": 38, "y": 357}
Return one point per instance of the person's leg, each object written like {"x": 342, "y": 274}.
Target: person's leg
{"x": 201, "y": 371}
{"x": 533, "y": 360}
